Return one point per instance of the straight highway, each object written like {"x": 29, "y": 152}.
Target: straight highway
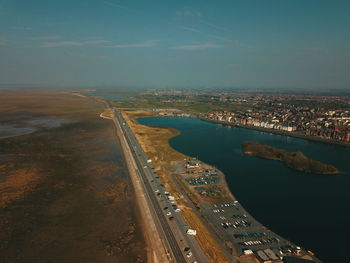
{"x": 182, "y": 247}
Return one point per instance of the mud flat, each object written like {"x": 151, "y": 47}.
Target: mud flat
{"x": 65, "y": 186}
{"x": 294, "y": 160}
{"x": 7, "y": 131}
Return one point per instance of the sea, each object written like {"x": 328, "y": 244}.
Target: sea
{"x": 312, "y": 211}
{"x": 108, "y": 96}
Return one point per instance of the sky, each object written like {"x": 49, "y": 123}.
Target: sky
{"x": 170, "y": 43}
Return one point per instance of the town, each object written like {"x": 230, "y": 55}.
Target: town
{"x": 323, "y": 117}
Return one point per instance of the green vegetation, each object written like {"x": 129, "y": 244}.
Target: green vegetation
{"x": 195, "y": 105}
{"x": 294, "y": 160}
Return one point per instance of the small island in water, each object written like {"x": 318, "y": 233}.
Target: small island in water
{"x": 294, "y": 160}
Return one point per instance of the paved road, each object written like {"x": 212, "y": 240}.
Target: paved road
{"x": 174, "y": 231}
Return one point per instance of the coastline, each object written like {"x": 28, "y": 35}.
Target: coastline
{"x": 230, "y": 198}
{"x": 278, "y": 132}
{"x": 155, "y": 143}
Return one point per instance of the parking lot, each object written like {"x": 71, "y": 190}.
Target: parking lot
{"x": 234, "y": 224}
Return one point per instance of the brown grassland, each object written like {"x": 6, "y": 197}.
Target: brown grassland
{"x": 65, "y": 195}
{"x": 154, "y": 141}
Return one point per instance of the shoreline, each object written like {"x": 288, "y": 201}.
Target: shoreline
{"x": 294, "y": 160}
{"x": 155, "y": 143}
{"x": 230, "y": 198}
{"x": 278, "y": 132}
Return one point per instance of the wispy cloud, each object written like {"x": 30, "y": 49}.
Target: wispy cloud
{"x": 197, "y": 46}
{"x": 21, "y": 28}
{"x": 231, "y": 41}
{"x": 96, "y": 41}
{"x": 192, "y": 29}
{"x": 62, "y": 44}
{"x": 120, "y": 6}
{"x": 208, "y": 35}
{"x": 149, "y": 43}
{"x": 73, "y": 43}
{"x": 220, "y": 30}
{"x": 214, "y": 26}
{"x": 45, "y": 38}
{"x": 188, "y": 13}
{"x": 87, "y": 56}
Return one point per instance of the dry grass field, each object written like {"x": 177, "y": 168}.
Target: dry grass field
{"x": 154, "y": 141}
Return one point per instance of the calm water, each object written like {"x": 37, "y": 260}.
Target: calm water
{"x": 311, "y": 210}
{"x": 7, "y": 131}
{"x": 30, "y": 126}
{"x": 48, "y": 123}
{"x": 109, "y": 97}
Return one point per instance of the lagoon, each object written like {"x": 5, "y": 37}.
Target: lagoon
{"x": 310, "y": 210}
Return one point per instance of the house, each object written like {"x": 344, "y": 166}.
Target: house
{"x": 192, "y": 165}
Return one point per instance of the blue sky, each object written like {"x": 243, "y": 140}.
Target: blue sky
{"x": 204, "y": 43}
